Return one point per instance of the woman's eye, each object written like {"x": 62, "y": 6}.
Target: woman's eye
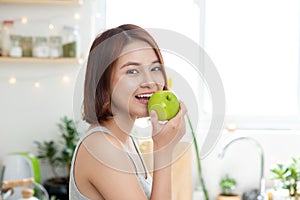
{"x": 132, "y": 71}
{"x": 156, "y": 68}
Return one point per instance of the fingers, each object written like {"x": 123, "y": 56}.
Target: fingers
{"x": 153, "y": 117}
{"x": 175, "y": 120}
{"x": 154, "y": 121}
{"x": 171, "y": 131}
{"x": 180, "y": 115}
{"x": 183, "y": 107}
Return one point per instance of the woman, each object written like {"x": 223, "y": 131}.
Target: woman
{"x": 124, "y": 68}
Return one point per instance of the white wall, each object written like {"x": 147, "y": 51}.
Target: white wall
{"x": 28, "y": 113}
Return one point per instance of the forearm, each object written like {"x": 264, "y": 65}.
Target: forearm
{"x": 165, "y": 138}
{"x": 161, "y": 186}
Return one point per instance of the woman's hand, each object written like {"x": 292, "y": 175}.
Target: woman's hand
{"x": 166, "y": 136}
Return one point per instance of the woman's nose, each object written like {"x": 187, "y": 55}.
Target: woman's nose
{"x": 151, "y": 78}
{"x": 148, "y": 80}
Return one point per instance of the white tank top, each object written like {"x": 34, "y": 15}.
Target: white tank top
{"x": 146, "y": 183}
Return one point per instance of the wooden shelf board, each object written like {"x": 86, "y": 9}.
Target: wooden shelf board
{"x": 74, "y": 2}
{"x": 38, "y": 60}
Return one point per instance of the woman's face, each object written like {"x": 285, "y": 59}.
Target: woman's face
{"x": 138, "y": 74}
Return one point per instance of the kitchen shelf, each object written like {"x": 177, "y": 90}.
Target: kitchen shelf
{"x": 63, "y": 2}
{"x": 39, "y": 60}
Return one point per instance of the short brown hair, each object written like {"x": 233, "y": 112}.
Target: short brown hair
{"x": 103, "y": 54}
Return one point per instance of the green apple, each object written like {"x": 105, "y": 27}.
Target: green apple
{"x": 165, "y": 103}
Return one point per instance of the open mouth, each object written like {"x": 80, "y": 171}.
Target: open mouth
{"x": 143, "y": 98}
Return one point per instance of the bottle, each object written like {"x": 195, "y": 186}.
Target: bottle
{"x": 0, "y": 51}
{"x": 41, "y": 47}
{"x": 27, "y": 194}
{"x": 71, "y": 41}
{"x": 55, "y": 45}
{"x": 26, "y": 44}
{"x": 7, "y": 26}
{"x": 15, "y": 49}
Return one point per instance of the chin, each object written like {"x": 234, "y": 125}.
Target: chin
{"x": 144, "y": 116}
{"x": 141, "y": 114}
{"x": 137, "y": 111}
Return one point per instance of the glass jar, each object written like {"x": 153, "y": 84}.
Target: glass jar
{"x": 26, "y": 44}
{"x": 27, "y": 194}
{"x": 15, "y": 49}
{"x": 7, "y": 26}
{"x": 0, "y": 45}
{"x": 70, "y": 41}
{"x": 55, "y": 45}
{"x": 40, "y": 47}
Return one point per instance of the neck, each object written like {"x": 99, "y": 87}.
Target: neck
{"x": 120, "y": 128}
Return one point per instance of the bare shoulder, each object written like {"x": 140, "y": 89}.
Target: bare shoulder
{"x": 102, "y": 165}
{"x": 103, "y": 149}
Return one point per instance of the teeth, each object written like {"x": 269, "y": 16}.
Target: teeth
{"x": 144, "y": 95}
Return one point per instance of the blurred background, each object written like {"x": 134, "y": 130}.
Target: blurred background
{"x": 254, "y": 45}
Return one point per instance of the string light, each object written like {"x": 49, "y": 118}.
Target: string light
{"x": 66, "y": 79}
{"x": 80, "y": 2}
{"x": 51, "y": 26}
{"x": 35, "y": 81}
{"x": 80, "y": 61}
{"x": 98, "y": 15}
{"x": 76, "y": 16}
{"x": 12, "y": 80}
{"x": 37, "y": 85}
{"x": 24, "y": 20}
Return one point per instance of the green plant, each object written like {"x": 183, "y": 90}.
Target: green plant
{"x": 60, "y": 155}
{"x": 288, "y": 175}
{"x": 228, "y": 185}
{"x": 200, "y": 176}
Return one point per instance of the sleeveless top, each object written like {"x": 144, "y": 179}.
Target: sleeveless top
{"x": 146, "y": 183}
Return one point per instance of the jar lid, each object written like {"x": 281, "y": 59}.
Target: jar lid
{"x": 68, "y": 27}
{"x": 8, "y": 21}
{"x": 15, "y": 37}
{"x": 27, "y": 38}
{"x": 55, "y": 38}
{"x": 41, "y": 39}
{"x": 27, "y": 192}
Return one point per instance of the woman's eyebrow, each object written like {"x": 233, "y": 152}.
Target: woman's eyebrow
{"x": 136, "y": 63}
{"x": 156, "y": 61}
{"x": 130, "y": 63}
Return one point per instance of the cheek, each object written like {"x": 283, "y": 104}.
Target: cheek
{"x": 123, "y": 89}
{"x": 126, "y": 85}
{"x": 159, "y": 80}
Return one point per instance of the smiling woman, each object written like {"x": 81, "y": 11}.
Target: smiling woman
{"x": 124, "y": 68}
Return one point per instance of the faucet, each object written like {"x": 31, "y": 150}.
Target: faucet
{"x": 262, "y": 180}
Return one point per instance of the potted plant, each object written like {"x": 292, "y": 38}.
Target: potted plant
{"x": 288, "y": 176}
{"x": 228, "y": 185}
{"x": 59, "y": 157}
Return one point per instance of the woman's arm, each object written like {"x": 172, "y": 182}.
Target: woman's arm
{"x": 165, "y": 138}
